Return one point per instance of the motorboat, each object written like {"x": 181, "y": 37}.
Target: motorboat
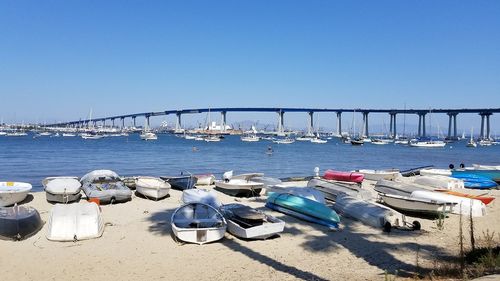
{"x": 239, "y": 186}
{"x": 439, "y": 182}
{"x": 249, "y": 223}
{"x": 303, "y": 208}
{"x": 212, "y": 138}
{"x": 318, "y": 140}
{"x": 75, "y": 222}
{"x": 181, "y": 182}
{"x": 376, "y": 175}
{"x": 343, "y": 176}
{"x": 357, "y": 141}
{"x": 284, "y": 141}
{"x": 250, "y": 138}
{"x": 485, "y": 142}
{"x": 371, "y": 213}
{"x": 19, "y": 222}
{"x": 91, "y": 136}
{"x": 198, "y": 223}
{"x": 151, "y": 187}
{"x": 62, "y": 189}
{"x": 148, "y": 136}
{"x": 303, "y": 138}
{"x": 416, "y": 205}
{"x": 427, "y": 143}
{"x": 189, "y": 137}
{"x": 68, "y": 135}
{"x": 207, "y": 179}
{"x": 16, "y": 134}
{"x": 13, "y": 192}
{"x": 106, "y": 186}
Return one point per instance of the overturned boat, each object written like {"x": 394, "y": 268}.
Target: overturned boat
{"x": 106, "y": 186}
{"x": 13, "y": 192}
{"x": 439, "y": 182}
{"x": 73, "y": 222}
{"x": 376, "y": 175}
{"x": 331, "y": 189}
{"x": 198, "y": 223}
{"x": 207, "y": 179}
{"x": 19, "y": 222}
{"x": 249, "y": 223}
{"x": 240, "y": 185}
{"x": 181, "y": 182}
{"x": 151, "y": 187}
{"x": 62, "y": 189}
{"x": 344, "y": 176}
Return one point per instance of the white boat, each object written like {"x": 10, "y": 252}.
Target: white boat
{"x": 207, "y": 179}
{"x": 198, "y": 223}
{"x": 148, "y": 136}
{"x": 485, "y": 167}
{"x": 86, "y": 136}
{"x": 459, "y": 205}
{"x": 416, "y": 205}
{"x": 45, "y": 134}
{"x": 370, "y": 213}
{"x": 62, "y": 189}
{"x": 189, "y": 137}
{"x": 151, "y": 187}
{"x": 68, "y": 135}
{"x": 331, "y": 189}
{"x": 433, "y": 172}
{"x": 13, "y": 192}
{"x": 250, "y": 138}
{"x": 376, "y": 175}
{"x": 284, "y": 141}
{"x": 195, "y": 195}
{"x": 303, "y": 138}
{"x": 428, "y": 144}
{"x": 16, "y": 134}
{"x": 471, "y": 142}
{"x": 249, "y": 223}
{"x": 318, "y": 140}
{"x": 2, "y": 133}
{"x": 73, "y": 222}
{"x": 239, "y": 185}
{"x": 439, "y": 182}
{"x": 485, "y": 142}
{"x": 213, "y": 138}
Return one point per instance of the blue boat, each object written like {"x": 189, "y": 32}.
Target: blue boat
{"x": 181, "y": 182}
{"x": 493, "y": 175}
{"x": 472, "y": 180}
{"x": 303, "y": 208}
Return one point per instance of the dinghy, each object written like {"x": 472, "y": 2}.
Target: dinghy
{"x": 74, "y": 222}
{"x": 371, "y": 214}
{"x": 486, "y": 167}
{"x": 343, "y": 176}
{"x": 460, "y": 205}
{"x": 198, "y": 223}
{"x": 13, "y": 192}
{"x": 415, "y": 205}
{"x": 475, "y": 181}
{"x": 181, "y": 182}
{"x": 331, "y": 189}
{"x": 439, "y": 182}
{"x": 207, "y": 179}
{"x": 106, "y": 186}
{"x": 485, "y": 199}
{"x": 303, "y": 208}
{"x": 195, "y": 195}
{"x": 62, "y": 189}
{"x": 492, "y": 175}
{"x": 376, "y": 175}
{"x": 249, "y": 223}
{"x": 433, "y": 172}
{"x": 151, "y": 187}
{"x": 239, "y": 186}
{"x": 19, "y": 222}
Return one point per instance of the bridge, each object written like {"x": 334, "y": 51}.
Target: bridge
{"x": 484, "y": 113}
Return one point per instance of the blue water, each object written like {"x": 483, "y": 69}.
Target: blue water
{"x": 31, "y": 160}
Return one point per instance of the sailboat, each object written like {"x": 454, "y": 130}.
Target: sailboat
{"x": 355, "y": 140}
{"x": 471, "y": 142}
{"x": 147, "y": 135}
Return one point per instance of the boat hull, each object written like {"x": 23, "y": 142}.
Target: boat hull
{"x": 239, "y": 187}
{"x": 343, "y": 176}
{"x": 181, "y": 182}
{"x": 19, "y": 222}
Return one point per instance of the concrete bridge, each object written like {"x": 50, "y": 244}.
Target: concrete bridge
{"x": 484, "y": 113}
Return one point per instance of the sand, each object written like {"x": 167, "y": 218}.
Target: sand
{"x": 137, "y": 245}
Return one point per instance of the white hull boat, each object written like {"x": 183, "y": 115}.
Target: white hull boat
{"x": 208, "y": 179}
{"x": 239, "y": 187}
{"x": 415, "y": 205}
{"x": 460, "y": 205}
{"x": 439, "y": 182}
{"x": 428, "y": 144}
{"x": 432, "y": 172}
{"x": 376, "y": 175}
{"x": 248, "y": 223}
{"x": 148, "y": 136}
{"x": 62, "y": 189}
{"x": 198, "y": 223}
{"x": 284, "y": 141}
{"x": 485, "y": 167}
{"x": 331, "y": 189}
{"x": 318, "y": 140}
{"x": 152, "y": 188}
{"x": 13, "y": 192}
{"x": 250, "y": 138}
{"x": 204, "y": 196}
{"x": 73, "y": 222}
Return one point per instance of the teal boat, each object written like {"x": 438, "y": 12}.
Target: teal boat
{"x": 493, "y": 175}
{"x": 303, "y": 208}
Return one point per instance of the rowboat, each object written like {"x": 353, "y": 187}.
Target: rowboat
{"x": 73, "y": 222}
{"x": 207, "y": 179}
{"x": 485, "y": 199}
{"x": 62, "y": 189}
{"x": 151, "y": 187}
{"x": 13, "y": 192}
{"x": 331, "y": 189}
{"x": 475, "y": 181}
{"x": 416, "y": 205}
{"x": 181, "y": 182}
{"x": 439, "y": 182}
{"x": 343, "y": 176}
{"x": 19, "y": 222}
{"x": 376, "y": 175}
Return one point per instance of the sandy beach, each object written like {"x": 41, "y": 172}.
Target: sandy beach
{"x": 137, "y": 245}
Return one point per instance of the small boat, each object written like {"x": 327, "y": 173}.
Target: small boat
{"x": 416, "y": 205}
{"x": 91, "y": 136}
{"x": 189, "y": 137}
{"x": 485, "y": 142}
{"x": 74, "y": 222}
{"x": 379, "y": 142}
{"x": 331, "y": 189}
{"x": 207, "y": 179}
{"x": 413, "y": 171}
{"x": 212, "y": 138}
{"x": 372, "y": 214}
{"x": 303, "y": 138}
{"x": 19, "y": 222}
{"x": 376, "y": 175}
{"x": 62, "y": 189}
{"x": 318, "y": 140}
{"x": 204, "y": 196}
{"x": 491, "y": 174}
{"x": 471, "y": 142}
{"x": 148, "y": 136}
{"x": 181, "y": 182}
{"x": 284, "y": 141}
{"x": 427, "y": 143}
{"x": 485, "y": 199}
{"x": 432, "y": 172}
{"x": 343, "y": 176}
{"x": 357, "y": 141}
{"x": 249, "y": 223}
{"x": 239, "y": 186}
{"x": 151, "y": 187}
{"x": 16, "y": 134}
{"x": 106, "y": 186}
{"x": 485, "y": 167}
{"x": 440, "y": 182}
{"x": 68, "y": 135}
{"x": 250, "y": 138}
{"x": 461, "y": 205}
{"x": 13, "y": 192}
{"x": 472, "y": 180}
{"x": 303, "y": 208}
{"x": 198, "y": 223}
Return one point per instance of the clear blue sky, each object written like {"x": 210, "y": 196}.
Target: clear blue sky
{"x": 58, "y": 59}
